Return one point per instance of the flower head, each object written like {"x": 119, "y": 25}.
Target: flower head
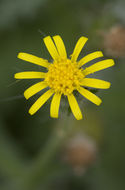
{"x": 114, "y": 41}
{"x": 64, "y": 76}
{"x": 80, "y": 152}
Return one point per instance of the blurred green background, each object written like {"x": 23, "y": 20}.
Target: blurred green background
{"x": 37, "y": 152}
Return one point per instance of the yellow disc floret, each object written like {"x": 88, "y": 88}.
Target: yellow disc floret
{"x": 64, "y": 76}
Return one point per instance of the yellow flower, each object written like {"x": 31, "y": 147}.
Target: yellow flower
{"x": 64, "y": 76}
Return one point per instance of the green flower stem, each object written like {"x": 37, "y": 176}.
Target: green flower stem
{"x": 33, "y": 177}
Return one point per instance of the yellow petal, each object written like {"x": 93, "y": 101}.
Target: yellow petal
{"x": 90, "y": 96}
{"x": 74, "y": 107}
{"x": 34, "y": 89}
{"x": 99, "y": 66}
{"x": 33, "y": 59}
{"x": 51, "y": 47}
{"x": 38, "y": 104}
{"x": 95, "y": 83}
{"x": 79, "y": 45}
{"x": 90, "y": 57}
{"x": 54, "y": 108}
{"x": 60, "y": 46}
{"x": 29, "y": 75}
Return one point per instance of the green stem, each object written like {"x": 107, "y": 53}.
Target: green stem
{"x": 38, "y": 170}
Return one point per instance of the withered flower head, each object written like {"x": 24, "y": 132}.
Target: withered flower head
{"x": 80, "y": 152}
{"x": 114, "y": 41}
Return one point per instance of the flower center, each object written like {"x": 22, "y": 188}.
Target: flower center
{"x": 64, "y": 77}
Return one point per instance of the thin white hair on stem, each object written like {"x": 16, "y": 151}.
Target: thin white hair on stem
{"x": 42, "y": 33}
{"x": 12, "y": 98}
{"x": 13, "y": 83}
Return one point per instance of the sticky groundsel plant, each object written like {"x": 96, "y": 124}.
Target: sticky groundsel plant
{"x": 64, "y": 76}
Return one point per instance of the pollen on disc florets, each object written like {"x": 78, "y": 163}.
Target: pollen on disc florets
{"x": 64, "y": 76}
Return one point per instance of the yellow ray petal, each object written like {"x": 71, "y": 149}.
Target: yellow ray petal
{"x": 51, "y": 47}
{"x": 90, "y": 57}
{"x": 34, "y": 89}
{"x": 29, "y": 75}
{"x": 90, "y": 96}
{"x": 74, "y": 107}
{"x": 33, "y": 59}
{"x": 54, "y": 108}
{"x": 95, "y": 83}
{"x": 99, "y": 66}
{"x": 38, "y": 104}
{"x": 60, "y": 46}
{"x": 79, "y": 45}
